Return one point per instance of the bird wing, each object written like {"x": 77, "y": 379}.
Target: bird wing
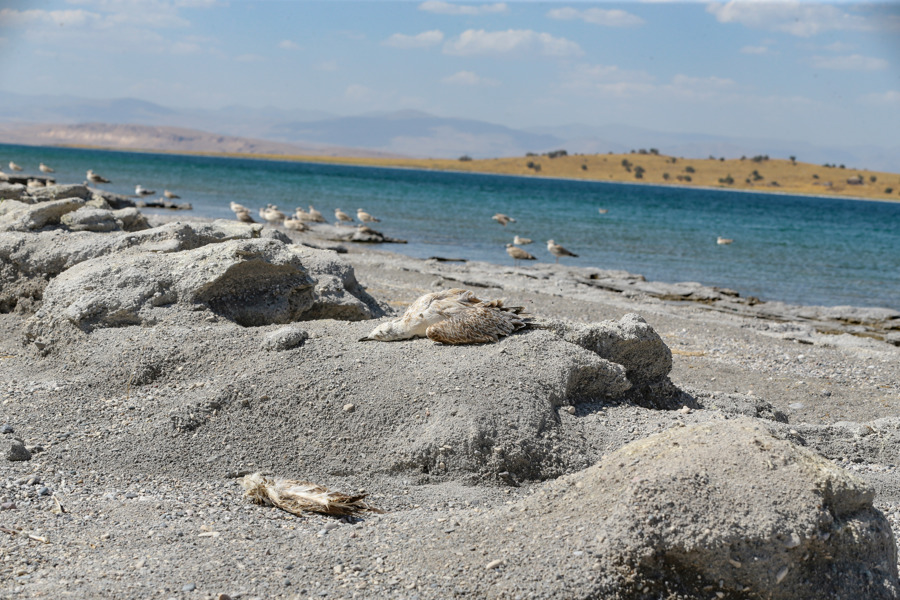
{"x": 477, "y": 325}
{"x": 299, "y": 496}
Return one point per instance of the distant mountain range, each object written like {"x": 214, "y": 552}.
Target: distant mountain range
{"x": 52, "y": 120}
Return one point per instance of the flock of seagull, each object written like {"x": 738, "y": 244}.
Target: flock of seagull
{"x": 91, "y": 177}
{"x": 298, "y": 221}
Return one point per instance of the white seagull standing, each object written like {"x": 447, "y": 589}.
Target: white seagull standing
{"x": 518, "y": 254}
{"x": 13, "y": 166}
{"x": 170, "y": 195}
{"x": 558, "y": 251}
{"x": 315, "y": 215}
{"x": 95, "y": 178}
{"x": 342, "y": 217}
{"x": 45, "y": 169}
{"x": 452, "y": 317}
{"x": 366, "y": 217}
{"x": 520, "y": 241}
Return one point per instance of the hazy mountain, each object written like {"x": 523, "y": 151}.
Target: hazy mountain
{"x": 416, "y": 133}
{"x": 148, "y": 137}
{"x": 406, "y": 132}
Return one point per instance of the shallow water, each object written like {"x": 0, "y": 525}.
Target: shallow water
{"x": 796, "y": 249}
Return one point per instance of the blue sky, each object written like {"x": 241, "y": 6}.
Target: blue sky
{"x": 820, "y": 72}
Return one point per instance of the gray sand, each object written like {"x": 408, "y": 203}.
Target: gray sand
{"x": 474, "y": 452}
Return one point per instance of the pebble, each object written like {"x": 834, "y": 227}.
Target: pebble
{"x": 494, "y": 564}
{"x": 6, "y": 428}
{"x": 349, "y": 407}
{"x": 130, "y": 495}
{"x": 18, "y": 452}
{"x": 188, "y": 587}
{"x": 8, "y": 506}
{"x": 44, "y": 491}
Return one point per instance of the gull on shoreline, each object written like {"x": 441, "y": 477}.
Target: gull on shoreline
{"x": 140, "y": 190}
{"x": 342, "y": 217}
{"x": 366, "y": 217}
{"x": 96, "y": 178}
{"x": 45, "y": 169}
{"x": 723, "y": 240}
{"x": 170, "y": 195}
{"x": 518, "y": 254}
{"x": 558, "y": 251}
{"x": 14, "y": 167}
{"x": 453, "y": 316}
{"x": 315, "y": 215}
{"x": 520, "y": 241}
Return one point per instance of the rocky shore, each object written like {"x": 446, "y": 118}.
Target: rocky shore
{"x": 646, "y": 441}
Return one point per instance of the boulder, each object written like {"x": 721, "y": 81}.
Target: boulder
{"x": 58, "y": 192}
{"x": 91, "y": 219}
{"x": 12, "y": 191}
{"x": 18, "y": 216}
{"x": 719, "y": 508}
{"x": 250, "y": 282}
{"x": 630, "y": 342}
{"x": 29, "y": 260}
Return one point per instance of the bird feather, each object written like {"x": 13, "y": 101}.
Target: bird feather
{"x": 302, "y": 496}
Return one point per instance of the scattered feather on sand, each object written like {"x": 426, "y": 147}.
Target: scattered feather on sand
{"x": 298, "y": 497}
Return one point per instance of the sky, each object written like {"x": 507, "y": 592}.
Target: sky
{"x": 822, "y": 72}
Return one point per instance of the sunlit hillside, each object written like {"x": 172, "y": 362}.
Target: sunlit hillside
{"x": 757, "y": 173}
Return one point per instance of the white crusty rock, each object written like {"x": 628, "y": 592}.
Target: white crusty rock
{"x": 18, "y": 216}
{"x": 250, "y": 282}
{"x": 722, "y": 506}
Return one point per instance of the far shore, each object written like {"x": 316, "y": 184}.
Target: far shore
{"x": 759, "y": 174}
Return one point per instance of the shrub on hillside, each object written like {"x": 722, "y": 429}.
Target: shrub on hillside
{"x": 465, "y": 158}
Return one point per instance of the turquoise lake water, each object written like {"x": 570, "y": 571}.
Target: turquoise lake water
{"x": 796, "y": 249}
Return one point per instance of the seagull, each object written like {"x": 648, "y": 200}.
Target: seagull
{"x": 45, "y": 169}
{"x": 722, "y": 241}
{"x": 520, "y": 241}
{"x": 557, "y": 250}
{"x": 341, "y": 216}
{"x": 503, "y": 219}
{"x": 95, "y": 178}
{"x": 170, "y": 195}
{"x": 518, "y": 254}
{"x": 315, "y": 215}
{"x": 244, "y": 216}
{"x": 142, "y": 191}
{"x": 13, "y": 166}
{"x": 366, "y": 217}
{"x": 602, "y": 211}
{"x": 452, "y": 317}
{"x": 295, "y": 224}
{"x": 271, "y": 214}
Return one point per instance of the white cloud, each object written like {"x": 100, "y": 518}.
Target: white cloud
{"x": 420, "y": 40}
{"x": 597, "y": 16}
{"x": 359, "y": 93}
{"x": 328, "y": 66}
{"x": 889, "y": 98}
{"x": 513, "y": 41}
{"x": 853, "y": 62}
{"x": 607, "y": 80}
{"x": 801, "y": 19}
{"x": 755, "y": 50}
{"x": 470, "y": 79}
{"x": 65, "y": 18}
{"x": 288, "y": 45}
{"x": 446, "y": 8}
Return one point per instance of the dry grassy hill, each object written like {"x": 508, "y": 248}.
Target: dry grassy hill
{"x": 751, "y": 173}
